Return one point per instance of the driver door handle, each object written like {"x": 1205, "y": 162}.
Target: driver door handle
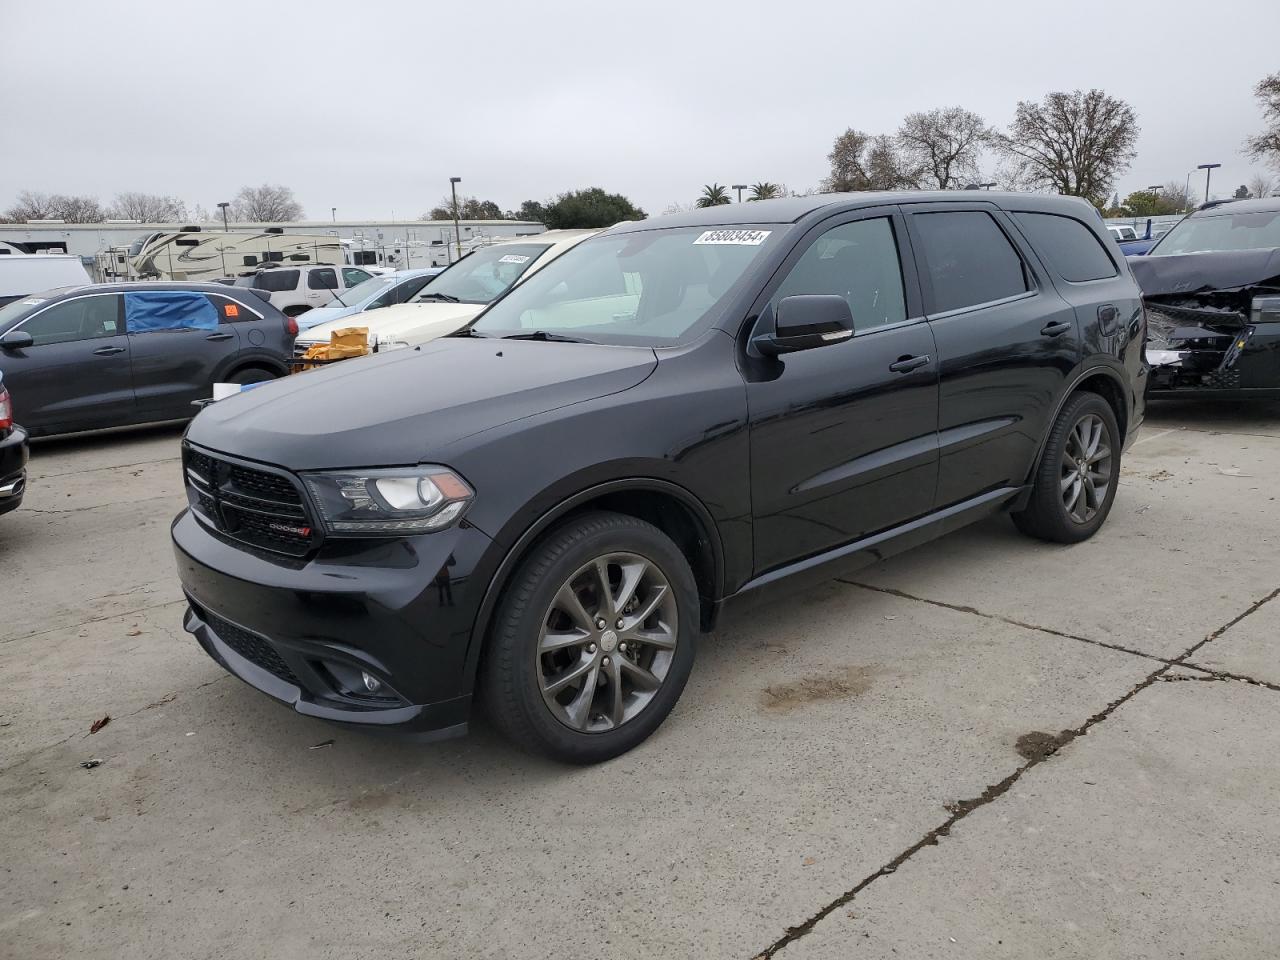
{"x": 907, "y": 364}
{"x": 1056, "y": 329}
{"x": 219, "y": 336}
{"x": 107, "y": 351}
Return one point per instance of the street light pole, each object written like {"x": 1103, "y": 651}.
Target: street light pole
{"x": 457, "y": 229}
{"x": 223, "y": 207}
{"x": 1208, "y": 168}
{"x": 739, "y": 187}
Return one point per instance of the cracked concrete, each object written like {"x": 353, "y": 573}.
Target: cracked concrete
{"x": 984, "y": 749}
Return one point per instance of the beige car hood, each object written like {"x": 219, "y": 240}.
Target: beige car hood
{"x": 410, "y": 323}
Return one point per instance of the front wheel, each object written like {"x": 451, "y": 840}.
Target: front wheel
{"x": 1075, "y": 483}
{"x": 595, "y": 640}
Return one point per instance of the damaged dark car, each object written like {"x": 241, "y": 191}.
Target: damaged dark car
{"x": 1211, "y": 287}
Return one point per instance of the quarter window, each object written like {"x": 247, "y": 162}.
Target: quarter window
{"x": 84, "y": 318}
{"x": 969, "y": 259}
{"x": 857, "y": 261}
{"x": 1072, "y": 249}
{"x": 323, "y": 279}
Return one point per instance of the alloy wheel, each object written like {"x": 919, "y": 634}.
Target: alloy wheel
{"x": 1086, "y": 468}
{"x": 606, "y": 643}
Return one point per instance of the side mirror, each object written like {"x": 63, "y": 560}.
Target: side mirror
{"x": 803, "y": 322}
{"x": 16, "y": 340}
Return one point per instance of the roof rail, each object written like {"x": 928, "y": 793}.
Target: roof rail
{"x": 1210, "y": 204}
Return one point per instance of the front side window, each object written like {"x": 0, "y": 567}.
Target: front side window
{"x": 485, "y": 275}
{"x": 857, "y": 261}
{"x": 351, "y": 277}
{"x": 969, "y": 259}
{"x": 1224, "y": 231}
{"x": 651, "y": 287}
{"x": 84, "y": 318}
{"x": 325, "y": 278}
{"x": 275, "y": 281}
{"x": 1071, "y": 249}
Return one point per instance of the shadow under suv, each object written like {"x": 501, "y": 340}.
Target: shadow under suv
{"x": 547, "y": 509}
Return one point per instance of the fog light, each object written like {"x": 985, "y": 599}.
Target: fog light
{"x": 371, "y": 683}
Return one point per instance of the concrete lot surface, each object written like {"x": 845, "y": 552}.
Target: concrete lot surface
{"x": 990, "y": 747}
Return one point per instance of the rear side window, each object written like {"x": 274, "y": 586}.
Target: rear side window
{"x": 323, "y": 279}
{"x": 276, "y": 281}
{"x": 968, "y": 259}
{"x": 1070, "y": 248}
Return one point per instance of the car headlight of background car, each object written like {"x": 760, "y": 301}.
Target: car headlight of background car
{"x": 362, "y": 503}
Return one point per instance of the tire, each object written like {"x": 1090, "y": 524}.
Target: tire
{"x": 576, "y": 720}
{"x": 1067, "y": 504}
{"x": 251, "y": 375}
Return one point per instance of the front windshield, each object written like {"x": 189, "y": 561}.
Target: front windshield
{"x": 483, "y": 276}
{"x": 653, "y": 287}
{"x": 363, "y": 291}
{"x": 1224, "y": 231}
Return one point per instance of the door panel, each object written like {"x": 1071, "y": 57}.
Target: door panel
{"x": 76, "y": 375}
{"x": 173, "y": 368}
{"x": 843, "y": 446}
{"x": 1004, "y": 362}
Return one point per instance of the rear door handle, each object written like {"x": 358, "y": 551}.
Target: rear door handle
{"x": 219, "y": 336}
{"x": 907, "y": 364}
{"x": 1056, "y": 329}
{"x": 107, "y": 351}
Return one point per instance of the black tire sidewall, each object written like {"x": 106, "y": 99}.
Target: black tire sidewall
{"x": 530, "y": 595}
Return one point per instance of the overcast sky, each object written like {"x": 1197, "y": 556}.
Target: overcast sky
{"x": 371, "y": 107}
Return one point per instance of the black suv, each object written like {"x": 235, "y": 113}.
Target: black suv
{"x": 107, "y": 355}
{"x": 546, "y": 509}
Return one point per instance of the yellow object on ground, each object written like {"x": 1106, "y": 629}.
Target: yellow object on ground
{"x": 344, "y": 343}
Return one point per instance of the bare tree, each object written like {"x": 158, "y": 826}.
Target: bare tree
{"x": 32, "y": 205}
{"x": 1261, "y": 185}
{"x": 1075, "y": 143}
{"x": 848, "y": 169}
{"x": 860, "y": 161}
{"x": 148, "y": 207}
{"x": 266, "y": 204}
{"x": 1266, "y": 145}
{"x": 1177, "y": 198}
{"x": 944, "y": 145}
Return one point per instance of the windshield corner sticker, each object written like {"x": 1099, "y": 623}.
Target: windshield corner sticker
{"x": 513, "y": 258}
{"x": 742, "y": 238}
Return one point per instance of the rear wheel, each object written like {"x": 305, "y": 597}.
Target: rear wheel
{"x": 251, "y": 375}
{"x": 595, "y": 640}
{"x": 1075, "y": 483}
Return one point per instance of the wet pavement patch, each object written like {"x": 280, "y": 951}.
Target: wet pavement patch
{"x": 839, "y": 684}
{"x": 1037, "y": 745}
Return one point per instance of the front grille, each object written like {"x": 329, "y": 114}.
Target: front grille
{"x": 252, "y": 647}
{"x": 257, "y": 507}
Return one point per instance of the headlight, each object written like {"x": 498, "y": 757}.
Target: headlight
{"x": 389, "y": 502}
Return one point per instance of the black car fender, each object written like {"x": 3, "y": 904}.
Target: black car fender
{"x": 1107, "y": 367}
{"x": 515, "y": 549}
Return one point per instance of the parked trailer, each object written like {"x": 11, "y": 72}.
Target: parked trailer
{"x": 192, "y": 254}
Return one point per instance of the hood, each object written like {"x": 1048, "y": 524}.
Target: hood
{"x": 1191, "y": 273}
{"x": 410, "y": 322}
{"x": 402, "y": 407}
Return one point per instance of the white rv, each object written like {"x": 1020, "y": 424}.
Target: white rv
{"x": 197, "y": 254}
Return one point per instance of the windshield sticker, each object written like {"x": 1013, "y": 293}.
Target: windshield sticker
{"x": 33, "y": 301}
{"x": 513, "y": 258}
{"x": 742, "y": 238}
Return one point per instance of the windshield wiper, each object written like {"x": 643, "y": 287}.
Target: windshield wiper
{"x": 543, "y": 335}
{"x": 470, "y": 332}
{"x": 444, "y": 297}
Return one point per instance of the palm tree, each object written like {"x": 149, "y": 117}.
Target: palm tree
{"x": 764, "y": 191}
{"x": 713, "y": 195}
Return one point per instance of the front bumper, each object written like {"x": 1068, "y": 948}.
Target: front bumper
{"x": 13, "y": 469}
{"x": 301, "y": 630}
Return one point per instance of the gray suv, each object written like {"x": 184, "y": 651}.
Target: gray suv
{"x": 81, "y": 358}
